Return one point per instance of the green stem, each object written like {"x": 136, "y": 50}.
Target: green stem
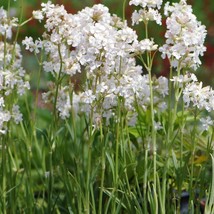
{"x": 181, "y": 154}
{"x": 191, "y": 189}
{"x": 124, "y": 10}
{"x": 88, "y": 178}
{"x": 17, "y": 32}
{"x": 145, "y": 178}
{"x": 58, "y": 84}
{"x": 103, "y": 169}
{"x": 4, "y": 176}
{"x": 168, "y": 142}
{"x": 154, "y": 149}
{"x": 53, "y": 137}
{"x": 37, "y": 90}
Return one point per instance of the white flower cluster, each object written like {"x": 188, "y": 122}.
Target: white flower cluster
{"x": 196, "y": 95}
{"x": 184, "y": 36}
{"x": 145, "y": 45}
{"x": 101, "y": 46}
{"x": 12, "y": 83}
{"x": 148, "y": 11}
{"x": 147, "y": 3}
{"x": 6, "y": 24}
{"x": 12, "y": 74}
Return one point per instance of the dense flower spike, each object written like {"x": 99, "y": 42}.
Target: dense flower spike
{"x": 184, "y": 36}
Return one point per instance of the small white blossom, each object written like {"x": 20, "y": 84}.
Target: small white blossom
{"x": 147, "y": 3}
{"x": 88, "y": 97}
{"x": 16, "y": 114}
{"x": 158, "y": 126}
{"x": 38, "y": 15}
{"x": 31, "y": 45}
{"x": 206, "y": 123}
{"x": 145, "y": 45}
{"x": 6, "y": 24}
{"x": 63, "y": 104}
{"x": 146, "y": 16}
{"x": 183, "y": 79}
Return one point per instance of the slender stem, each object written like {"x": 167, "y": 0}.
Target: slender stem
{"x": 17, "y": 32}
{"x": 148, "y": 66}
{"x": 168, "y": 143}
{"x": 58, "y": 83}
{"x": 25, "y": 22}
{"x": 145, "y": 178}
{"x": 181, "y": 153}
{"x": 8, "y": 7}
{"x": 153, "y": 133}
{"x": 191, "y": 189}
{"x": 88, "y": 178}
{"x": 4, "y": 172}
{"x": 37, "y": 89}
{"x": 53, "y": 137}
{"x": 124, "y": 10}
{"x": 103, "y": 169}
{"x": 117, "y": 152}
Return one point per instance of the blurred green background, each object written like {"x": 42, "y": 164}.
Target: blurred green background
{"x": 203, "y": 9}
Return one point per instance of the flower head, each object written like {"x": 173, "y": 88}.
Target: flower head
{"x": 184, "y": 36}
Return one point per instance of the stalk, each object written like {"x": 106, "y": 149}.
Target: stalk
{"x": 87, "y": 209}
{"x": 103, "y": 169}
{"x": 153, "y": 143}
{"x": 4, "y": 175}
{"x": 53, "y": 138}
{"x": 124, "y": 10}
{"x": 181, "y": 154}
{"x": 145, "y": 179}
{"x": 153, "y": 131}
{"x": 191, "y": 190}
{"x": 116, "y": 157}
{"x": 18, "y": 30}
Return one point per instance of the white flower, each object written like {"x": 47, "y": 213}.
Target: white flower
{"x": 4, "y": 117}
{"x": 158, "y": 126}
{"x": 146, "y": 3}
{"x": 101, "y": 46}
{"x": 198, "y": 96}
{"x": 206, "y": 123}
{"x": 38, "y": 15}
{"x": 183, "y": 79}
{"x": 1, "y": 102}
{"x": 16, "y": 114}
{"x": 6, "y": 24}
{"x": 184, "y": 36}
{"x": 146, "y": 15}
{"x": 63, "y": 103}
{"x": 87, "y": 97}
{"x": 145, "y": 45}
{"x": 12, "y": 81}
{"x": 32, "y": 46}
